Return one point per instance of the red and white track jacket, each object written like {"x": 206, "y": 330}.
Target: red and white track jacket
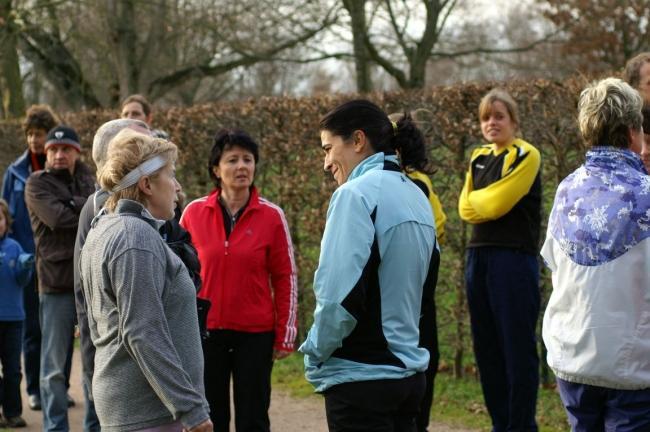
{"x": 250, "y": 278}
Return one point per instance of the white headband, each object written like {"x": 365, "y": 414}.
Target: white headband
{"x": 144, "y": 169}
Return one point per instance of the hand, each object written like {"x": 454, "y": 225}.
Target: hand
{"x": 206, "y": 426}
{"x": 280, "y": 354}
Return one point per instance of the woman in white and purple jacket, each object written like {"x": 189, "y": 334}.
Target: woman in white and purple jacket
{"x": 597, "y": 323}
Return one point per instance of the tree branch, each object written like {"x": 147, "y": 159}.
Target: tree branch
{"x": 160, "y": 86}
{"x": 483, "y": 50}
{"x": 384, "y": 62}
{"x": 399, "y": 33}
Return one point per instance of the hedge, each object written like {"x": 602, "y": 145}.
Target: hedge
{"x": 290, "y": 172}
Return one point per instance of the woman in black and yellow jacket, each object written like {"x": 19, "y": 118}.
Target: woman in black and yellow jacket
{"x": 419, "y": 172}
{"x": 502, "y": 199}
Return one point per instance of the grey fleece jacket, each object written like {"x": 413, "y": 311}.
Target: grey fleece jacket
{"x": 143, "y": 322}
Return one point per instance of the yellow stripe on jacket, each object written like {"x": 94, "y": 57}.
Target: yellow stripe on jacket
{"x": 520, "y": 167}
{"x": 438, "y": 213}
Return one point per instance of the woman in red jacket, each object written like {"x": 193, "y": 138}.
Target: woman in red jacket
{"x": 249, "y": 275}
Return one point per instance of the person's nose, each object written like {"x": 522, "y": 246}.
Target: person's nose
{"x": 327, "y": 164}
{"x": 241, "y": 164}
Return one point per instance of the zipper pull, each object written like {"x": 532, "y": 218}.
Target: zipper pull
{"x": 226, "y": 247}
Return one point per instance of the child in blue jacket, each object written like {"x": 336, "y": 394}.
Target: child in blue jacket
{"x": 16, "y": 270}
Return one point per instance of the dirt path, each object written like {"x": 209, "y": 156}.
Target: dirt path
{"x": 287, "y": 414}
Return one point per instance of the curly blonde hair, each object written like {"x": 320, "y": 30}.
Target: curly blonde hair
{"x": 125, "y": 152}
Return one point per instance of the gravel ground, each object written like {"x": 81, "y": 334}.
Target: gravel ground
{"x": 288, "y": 414}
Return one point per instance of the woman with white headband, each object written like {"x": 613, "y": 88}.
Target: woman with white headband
{"x": 141, "y": 299}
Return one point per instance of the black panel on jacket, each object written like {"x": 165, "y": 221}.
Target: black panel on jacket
{"x": 428, "y": 309}
{"x": 423, "y": 187}
{"x": 520, "y": 227}
{"x": 367, "y": 343}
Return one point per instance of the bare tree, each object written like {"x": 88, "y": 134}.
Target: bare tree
{"x": 279, "y": 28}
{"x": 412, "y": 52}
{"x": 404, "y": 37}
{"x": 158, "y": 47}
{"x": 41, "y": 42}
{"x": 356, "y": 10}
{"x": 601, "y": 35}
{"x": 13, "y": 103}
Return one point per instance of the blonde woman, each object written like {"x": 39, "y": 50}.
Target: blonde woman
{"x": 597, "y": 322}
{"x": 141, "y": 299}
{"x": 502, "y": 200}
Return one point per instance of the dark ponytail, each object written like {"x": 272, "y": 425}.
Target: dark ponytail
{"x": 364, "y": 115}
{"x": 412, "y": 148}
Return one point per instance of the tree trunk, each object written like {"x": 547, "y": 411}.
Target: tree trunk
{"x": 125, "y": 40}
{"x": 420, "y": 55}
{"x": 357, "y": 12}
{"x": 417, "y": 53}
{"x": 11, "y": 84}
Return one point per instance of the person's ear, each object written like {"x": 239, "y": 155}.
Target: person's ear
{"x": 144, "y": 184}
{"x": 359, "y": 141}
{"x": 215, "y": 171}
{"x": 148, "y": 119}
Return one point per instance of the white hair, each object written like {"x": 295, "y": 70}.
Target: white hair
{"x": 106, "y": 133}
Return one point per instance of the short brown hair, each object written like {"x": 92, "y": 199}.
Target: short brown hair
{"x": 39, "y": 117}
{"x": 146, "y": 106}
{"x": 4, "y": 208}
{"x": 633, "y": 69}
{"x": 498, "y": 94}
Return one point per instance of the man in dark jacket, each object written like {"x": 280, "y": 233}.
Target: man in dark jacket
{"x": 54, "y": 198}
{"x": 39, "y": 119}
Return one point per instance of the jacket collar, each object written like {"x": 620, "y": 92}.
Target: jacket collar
{"x": 378, "y": 161}
{"x": 21, "y": 167}
{"x": 609, "y": 157}
{"x": 80, "y": 170}
{"x": 134, "y": 208}
{"x": 253, "y": 201}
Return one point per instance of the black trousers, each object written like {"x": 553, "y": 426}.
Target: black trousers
{"x": 429, "y": 340}
{"x": 503, "y": 298}
{"x": 389, "y": 405}
{"x": 248, "y": 359}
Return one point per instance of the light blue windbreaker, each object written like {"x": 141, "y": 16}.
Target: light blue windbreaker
{"x": 375, "y": 256}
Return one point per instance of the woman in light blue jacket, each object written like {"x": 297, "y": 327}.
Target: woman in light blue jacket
{"x": 378, "y": 249}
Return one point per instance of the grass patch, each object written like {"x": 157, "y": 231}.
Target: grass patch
{"x": 460, "y": 403}
{"x": 457, "y": 403}
{"x": 289, "y": 373}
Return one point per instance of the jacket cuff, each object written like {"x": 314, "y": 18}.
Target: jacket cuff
{"x": 195, "y": 417}
{"x": 280, "y": 346}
